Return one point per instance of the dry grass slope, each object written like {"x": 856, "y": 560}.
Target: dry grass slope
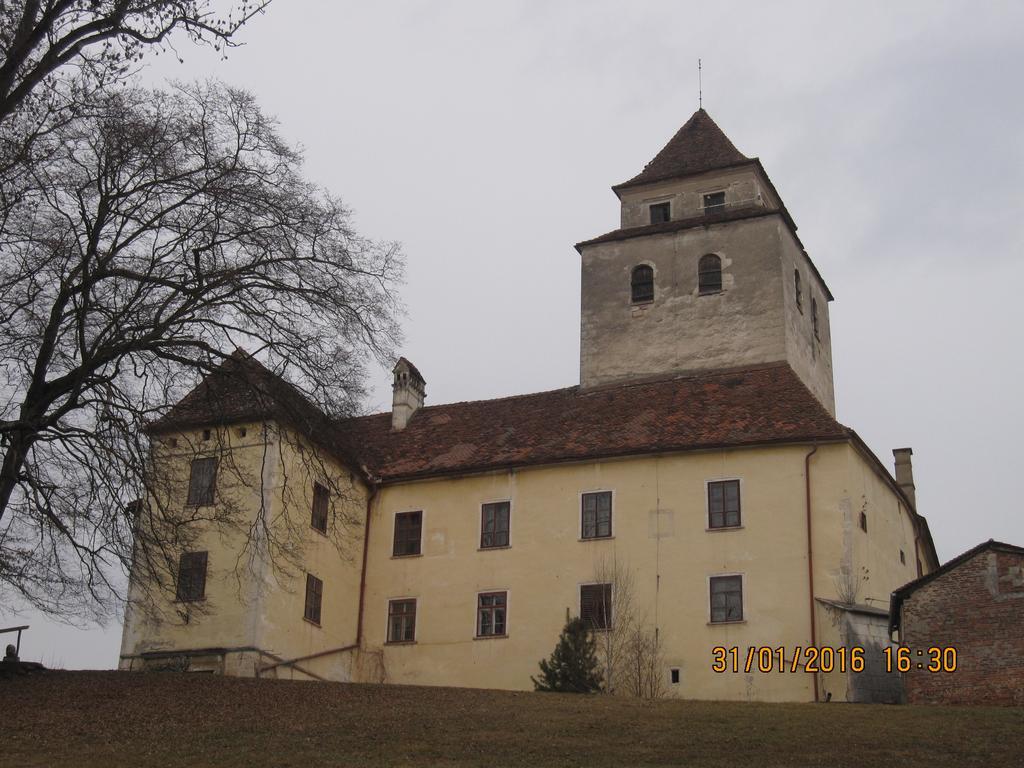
{"x": 88, "y": 719}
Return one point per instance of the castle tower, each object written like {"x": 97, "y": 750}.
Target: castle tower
{"x": 705, "y": 272}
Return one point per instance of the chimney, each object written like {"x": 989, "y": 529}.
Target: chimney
{"x": 905, "y": 472}
{"x": 410, "y": 390}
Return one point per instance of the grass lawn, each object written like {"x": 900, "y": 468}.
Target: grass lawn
{"x": 87, "y": 719}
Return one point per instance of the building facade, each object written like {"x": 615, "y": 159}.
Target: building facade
{"x": 697, "y": 469}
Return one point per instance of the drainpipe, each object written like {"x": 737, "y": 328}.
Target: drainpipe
{"x": 810, "y": 556}
{"x": 362, "y": 577}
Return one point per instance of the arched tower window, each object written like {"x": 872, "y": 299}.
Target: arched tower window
{"x": 642, "y": 284}
{"x": 799, "y": 290}
{"x": 709, "y": 274}
{"x": 814, "y": 317}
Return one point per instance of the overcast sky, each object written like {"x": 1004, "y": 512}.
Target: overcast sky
{"x": 484, "y": 137}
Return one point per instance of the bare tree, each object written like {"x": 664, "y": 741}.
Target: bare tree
{"x": 628, "y": 646}
{"x": 103, "y": 38}
{"x": 161, "y": 231}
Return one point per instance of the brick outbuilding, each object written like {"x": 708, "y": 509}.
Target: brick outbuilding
{"x": 974, "y": 604}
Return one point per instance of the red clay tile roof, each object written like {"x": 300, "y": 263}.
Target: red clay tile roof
{"x": 720, "y": 409}
{"x": 767, "y": 404}
{"x": 699, "y": 146}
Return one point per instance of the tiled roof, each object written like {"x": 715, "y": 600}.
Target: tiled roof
{"x": 767, "y": 404}
{"x": 243, "y": 390}
{"x": 750, "y": 406}
{"x": 699, "y": 146}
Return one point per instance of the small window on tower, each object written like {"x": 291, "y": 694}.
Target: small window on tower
{"x": 709, "y": 274}
{"x": 642, "y": 284}
{"x": 714, "y": 202}
{"x": 799, "y": 290}
{"x": 814, "y": 317}
{"x": 660, "y": 212}
{"x": 864, "y": 522}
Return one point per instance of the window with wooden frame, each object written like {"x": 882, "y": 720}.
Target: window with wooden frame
{"x": 491, "y": 614}
{"x": 201, "y": 482}
{"x": 596, "y": 605}
{"x": 641, "y": 284}
{"x": 321, "y": 501}
{"x": 799, "y": 290}
{"x": 726, "y": 599}
{"x": 191, "y": 576}
{"x": 714, "y": 202}
{"x": 401, "y": 621}
{"x": 408, "y": 530}
{"x": 660, "y": 212}
{"x": 314, "y": 598}
{"x": 596, "y": 514}
{"x": 724, "y": 504}
{"x": 709, "y": 274}
{"x": 494, "y": 524}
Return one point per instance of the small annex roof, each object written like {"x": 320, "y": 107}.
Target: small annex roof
{"x": 699, "y": 146}
{"x": 758, "y": 405}
{"x": 901, "y": 594}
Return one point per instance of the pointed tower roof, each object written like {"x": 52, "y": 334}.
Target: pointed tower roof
{"x": 700, "y": 145}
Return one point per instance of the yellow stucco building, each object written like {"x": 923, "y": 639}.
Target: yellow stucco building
{"x": 695, "y": 488}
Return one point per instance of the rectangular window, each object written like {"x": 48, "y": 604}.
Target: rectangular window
{"x": 491, "y": 614}
{"x": 201, "y": 482}
{"x": 596, "y": 605}
{"x": 726, "y": 598}
{"x": 401, "y": 621}
{"x": 321, "y": 496}
{"x": 191, "y": 576}
{"x": 314, "y": 598}
{"x": 494, "y": 524}
{"x": 597, "y": 515}
{"x": 660, "y": 212}
{"x": 408, "y": 527}
{"x": 724, "y": 504}
{"x": 714, "y": 202}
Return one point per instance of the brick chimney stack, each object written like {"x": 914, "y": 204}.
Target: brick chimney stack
{"x": 409, "y": 392}
{"x": 905, "y": 472}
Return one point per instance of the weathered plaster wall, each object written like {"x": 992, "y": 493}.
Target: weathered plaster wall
{"x": 743, "y": 186}
{"x": 681, "y": 330}
{"x": 254, "y": 601}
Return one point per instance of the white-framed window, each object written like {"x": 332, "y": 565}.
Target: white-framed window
{"x": 402, "y": 619}
{"x": 492, "y": 613}
{"x": 723, "y": 502}
{"x": 596, "y": 514}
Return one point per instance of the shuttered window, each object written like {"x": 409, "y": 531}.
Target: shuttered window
{"x": 491, "y": 614}
{"x": 641, "y": 284}
{"x": 494, "y": 524}
{"x": 408, "y": 527}
{"x": 321, "y": 496}
{"x": 726, "y": 598}
{"x": 191, "y": 576}
{"x": 201, "y": 482}
{"x": 709, "y": 274}
{"x": 596, "y": 605}
{"x": 314, "y": 598}
{"x": 724, "y": 504}
{"x": 401, "y": 621}
{"x": 597, "y": 515}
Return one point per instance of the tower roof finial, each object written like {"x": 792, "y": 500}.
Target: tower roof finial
{"x": 700, "y": 88}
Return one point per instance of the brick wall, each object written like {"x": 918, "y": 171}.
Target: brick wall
{"x": 977, "y": 608}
